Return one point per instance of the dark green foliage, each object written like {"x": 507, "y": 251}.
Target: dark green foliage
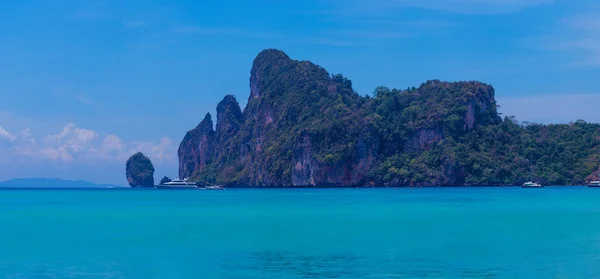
{"x": 139, "y": 171}
{"x": 301, "y": 121}
{"x": 297, "y": 99}
{"x": 500, "y": 155}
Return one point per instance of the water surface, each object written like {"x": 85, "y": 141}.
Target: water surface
{"x": 302, "y": 233}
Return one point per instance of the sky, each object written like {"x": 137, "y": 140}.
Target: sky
{"x": 85, "y": 84}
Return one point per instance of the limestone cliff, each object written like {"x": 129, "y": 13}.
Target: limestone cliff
{"x": 139, "y": 171}
{"x": 303, "y": 126}
{"x": 197, "y": 148}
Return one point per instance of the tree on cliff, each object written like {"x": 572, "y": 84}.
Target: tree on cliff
{"x": 139, "y": 171}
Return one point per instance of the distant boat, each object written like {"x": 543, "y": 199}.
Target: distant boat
{"x": 595, "y": 183}
{"x": 214, "y": 187}
{"x": 530, "y": 183}
{"x": 178, "y": 184}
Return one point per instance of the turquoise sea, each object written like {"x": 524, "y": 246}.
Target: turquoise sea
{"x": 301, "y": 233}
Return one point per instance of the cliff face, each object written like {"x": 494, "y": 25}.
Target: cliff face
{"x": 229, "y": 120}
{"x": 197, "y": 148}
{"x": 439, "y": 109}
{"x": 305, "y": 127}
{"x": 139, "y": 171}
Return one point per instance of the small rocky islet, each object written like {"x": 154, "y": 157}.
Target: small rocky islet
{"x": 303, "y": 126}
{"x": 139, "y": 171}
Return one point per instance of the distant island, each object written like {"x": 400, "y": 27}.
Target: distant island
{"x": 303, "y": 126}
{"x": 51, "y": 183}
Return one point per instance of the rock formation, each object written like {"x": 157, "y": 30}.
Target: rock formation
{"x": 303, "y": 126}
{"x": 139, "y": 171}
{"x": 165, "y": 180}
{"x": 197, "y": 148}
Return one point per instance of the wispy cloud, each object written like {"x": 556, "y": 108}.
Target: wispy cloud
{"x": 472, "y": 6}
{"x": 334, "y": 41}
{"x": 372, "y": 34}
{"x": 577, "y": 34}
{"x": 6, "y": 135}
{"x": 134, "y": 25}
{"x": 373, "y": 22}
{"x": 422, "y": 22}
{"x": 76, "y": 95}
{"x": 455, "y": 6}
{"x": 354, "y": 38}
{"x": 93, "y": 11}
{"x": 199, "y": 30}
{"x": 84, "y": 99}
{"x": 562, "y": 108}
{"x": 583, "y": 34}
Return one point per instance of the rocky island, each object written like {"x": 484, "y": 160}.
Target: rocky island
{"x": 139, "y": 171}
{"x": 303, "y": 126}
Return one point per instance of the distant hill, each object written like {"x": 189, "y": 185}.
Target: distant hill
{"x": 51, "y": 183}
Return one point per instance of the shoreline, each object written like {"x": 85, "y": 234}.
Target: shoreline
{"x": 278, "y": 187}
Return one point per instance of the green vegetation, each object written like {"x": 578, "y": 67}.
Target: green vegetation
{"x": 493, "y": 152}
{"x": 303, "y": 126}
{"x": 139, "y": 171}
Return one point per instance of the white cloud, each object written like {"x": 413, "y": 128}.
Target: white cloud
{"x": 4, "y": 134}
{"x": 552, "y": 108}
{"x": 73, "y": 145}
{"x": 112, "y": 146}
{"x": 163, "y": 151}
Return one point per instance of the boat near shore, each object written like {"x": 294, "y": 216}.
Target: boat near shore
{"x": 213, "y": 187}
{"x": 531, "y": 185}
{"x": 178, "y": 184}
{"x": 595, "y": 183}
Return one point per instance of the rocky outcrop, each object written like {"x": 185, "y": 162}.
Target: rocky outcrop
{"x": 229, "y": 120}
{"x": 267, "y": 61}
{"x": 450, "y": 108}
{"x": 423, "y": 139}
{"x": 165, "y": 180}
{"x": 304, "y": 127}
{"x": 139, "y": 171}
{"x": 332, "y": 171}
{"x": 197, "y": 148}
{"x": 229, "y": 117}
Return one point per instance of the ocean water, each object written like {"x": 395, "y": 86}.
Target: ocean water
{"x": 301, "y": 233}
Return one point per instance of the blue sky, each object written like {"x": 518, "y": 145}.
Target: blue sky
{"x": 87, "y": 83}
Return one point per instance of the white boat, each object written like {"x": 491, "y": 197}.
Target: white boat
{"x": 178, "y": 184}
{"x": 214, "y": 187}
{"x": 595, "y": 183}
{"x": 531, "y": 184}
